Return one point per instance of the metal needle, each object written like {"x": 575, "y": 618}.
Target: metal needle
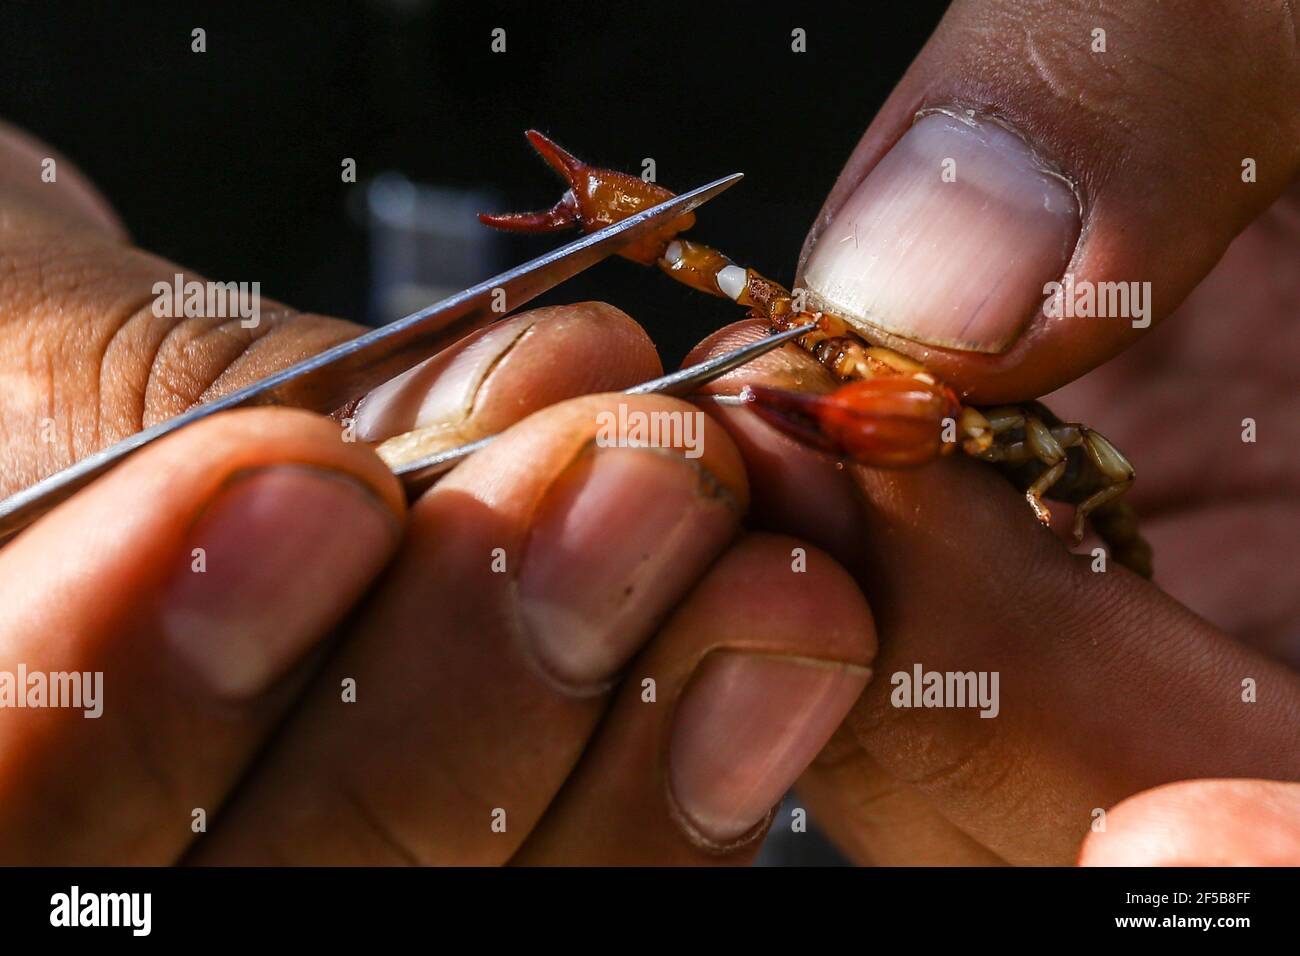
{"x": 418, "y": 475}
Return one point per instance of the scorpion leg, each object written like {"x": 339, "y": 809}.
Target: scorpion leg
{"x": 1113, "y": 519}
{"x": 1095, "y": 501}
{"x": 1039, "y": 443}
{"x": 976, "y": 431}
{"x": 1114, "y": 468}
{"x": 1108, "y": 459}
{"x": 982, "y": 433}
{"x": 1004, "y": 418}
{"x": 1045, "y": 447}
{"x": 1043, "y": 484}
{"x": 1116, "y": 524}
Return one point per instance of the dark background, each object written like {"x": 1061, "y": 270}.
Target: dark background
{"x": 228, "y": 161}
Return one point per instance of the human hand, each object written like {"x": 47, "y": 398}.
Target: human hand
{"x": 297, "y": 667}
{"x": 1108, "y": 686}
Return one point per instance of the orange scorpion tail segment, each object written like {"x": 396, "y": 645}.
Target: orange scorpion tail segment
{"x": 596, "y": 198}
{"x": 889, "y": 422}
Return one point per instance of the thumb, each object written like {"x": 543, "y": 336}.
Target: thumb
{"x": 1114, "y": 152}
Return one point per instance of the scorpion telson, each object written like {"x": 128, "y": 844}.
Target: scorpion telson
{"x": 892, "y": 412}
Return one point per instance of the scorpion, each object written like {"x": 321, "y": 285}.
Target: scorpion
{"x": 891, "y": 412}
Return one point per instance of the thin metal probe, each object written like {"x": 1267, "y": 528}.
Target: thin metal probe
{"x": 417, "y": 475}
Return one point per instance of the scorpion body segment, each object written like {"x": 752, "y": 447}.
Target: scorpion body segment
{"x": 891, "y": 412}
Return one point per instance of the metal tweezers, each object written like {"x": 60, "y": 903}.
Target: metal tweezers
{"x": 328, "y": 381}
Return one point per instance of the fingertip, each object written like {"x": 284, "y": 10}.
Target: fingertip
{"x": 1201, "y": 823}
{"x": 524, "y": 459}
{"x": 787, "y": 366}
{"x": 799, "y": 597}
{"x": 230, "y": 442}
{"x": 156, "y": 493}
{"x": 752, "y": 673}
{"x": 194, "y": 581}
{"x": 578, "y": 349}
{"x": 1017, "y": 215}
{"x": 783, "y": 643}
{"x": 795, "y": 489}
{"x": 603, "y": 510}
{"x": 492, "y": 379}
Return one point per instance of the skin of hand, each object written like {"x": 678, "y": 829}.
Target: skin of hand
{"x": 1110, "y": 685}
{"x": 566, "y": 651}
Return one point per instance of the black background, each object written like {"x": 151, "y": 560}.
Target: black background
{"x": 228, "y": 162}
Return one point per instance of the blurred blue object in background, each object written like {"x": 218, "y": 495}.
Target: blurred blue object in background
{"x": 425, "y": 243}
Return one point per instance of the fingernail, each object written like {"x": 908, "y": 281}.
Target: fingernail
{"x": 745, "y": 729}
{"x": 439, "y": 391}
{"x": 950, "y": 239}
{"x": 619, "y": 533}
{"x": 273, "y": 561}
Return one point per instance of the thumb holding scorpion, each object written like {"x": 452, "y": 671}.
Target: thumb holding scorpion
{"x": 1045, "y": 186}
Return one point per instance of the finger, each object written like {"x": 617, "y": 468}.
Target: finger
{"x": 503, "y": 374}
{"x": 872, "y": 816}
{"x": 87, "y": 306}
{"x": 877, "y": 819}
{"x": 728, "y": 704}
{"x": 171, "y": 603}
{"x": 148, "y": 368}
{"x": 1107, "y": 686}
{"x": 530, "y": 576}
{"x": 1053, "y": 142}
{"x": 35, "y": 174}
{"x": 1160, "y": 399}
{"x": 1202, "y": 823}
{"x": 791, "y": 486}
